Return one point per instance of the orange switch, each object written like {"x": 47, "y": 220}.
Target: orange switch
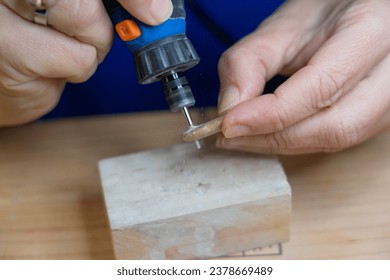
{"x": 128, "y": 30}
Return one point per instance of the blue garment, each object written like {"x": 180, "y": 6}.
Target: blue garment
{"x": 212, "y": 26}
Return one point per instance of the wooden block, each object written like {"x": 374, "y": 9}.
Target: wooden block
{"x": 184, "y": 203}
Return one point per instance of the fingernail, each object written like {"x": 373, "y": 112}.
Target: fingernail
{"x": 221, "y": 142}
{"x": 227, "y": 99}
{"x": 236, "y": 131}
{"x": 225, "y": 143}
{"x": 161, "y": 10}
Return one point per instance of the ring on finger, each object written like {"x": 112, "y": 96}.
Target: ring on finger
{"x": 40, "y": 16}
{"x": 40, "y": 12}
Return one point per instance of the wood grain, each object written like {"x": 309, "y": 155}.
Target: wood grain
{"x": 51, "y": 201}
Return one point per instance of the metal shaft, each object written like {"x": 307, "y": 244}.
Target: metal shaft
{"x": 188, "y": 117}
{"x": 190, "y": 123}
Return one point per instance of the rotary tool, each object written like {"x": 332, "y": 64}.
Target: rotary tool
{"x": 161, "y": 53}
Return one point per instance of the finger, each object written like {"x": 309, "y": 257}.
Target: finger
{"x": 336, "y": 68}
{"x": 85, "y": 20}
{"x": 271, "y": 151}
{"x": 30, "y": 51}
{"x": 152, "y": 12}
{"x": 28, "y": 101}
{"x": 245, "y": 67}
{"x": 354, "y": 118}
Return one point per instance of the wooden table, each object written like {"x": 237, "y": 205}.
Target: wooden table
{"x": 51, "y": 202}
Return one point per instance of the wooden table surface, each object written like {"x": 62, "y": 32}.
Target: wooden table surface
{"x": 51, "y": 201}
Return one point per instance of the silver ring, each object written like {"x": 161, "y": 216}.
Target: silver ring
{"x": 40, "y": 12}
{"x": 40, "y": 16}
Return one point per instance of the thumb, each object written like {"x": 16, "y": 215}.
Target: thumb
{"x": 249, "y": 64}
{"x": 151, "y": 12}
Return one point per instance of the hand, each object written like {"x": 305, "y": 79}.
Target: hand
{"x": 36, "y": 61}
{"x": 338, "y": 94}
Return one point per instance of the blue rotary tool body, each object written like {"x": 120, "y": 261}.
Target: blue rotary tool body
{"x": 161, "y": 53}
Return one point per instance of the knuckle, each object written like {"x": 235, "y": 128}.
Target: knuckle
{"x": 21, "y": 105}
{"x": 85, "y": 15}
{"x": 276, "y": 123}
{"x": 279, "y": 119}
{"x": 373, "y": 14}
{"x": 328, "y": 89}
{"x": 7, "y": 83}
{"x": 234, "y": 55}
{"x": 85, "y": 61}
{"x": 371, "y": 9}
{"x": 13, "y": 86}
{"x": 227, "y": 58}
{"x": 244, "y": 59}
{"x": 277, "y": 141}
{"x": 343, "y": 134}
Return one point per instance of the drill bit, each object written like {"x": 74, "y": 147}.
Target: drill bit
{"x": 190, "y": 123}
{"x": 187, "y": 116}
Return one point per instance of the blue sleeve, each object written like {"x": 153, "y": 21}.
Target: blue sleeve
{"x": 212, "y": 26}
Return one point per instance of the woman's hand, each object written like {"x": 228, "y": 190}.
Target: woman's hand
{"x": 338, "y": 94}
{"x": 36, "y": 61}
